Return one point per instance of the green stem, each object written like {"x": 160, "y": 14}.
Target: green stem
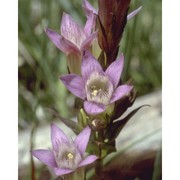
{"x": 98, "y": 166}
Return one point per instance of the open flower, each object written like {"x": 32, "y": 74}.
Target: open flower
{"x": 97, "y": 88}
{"x": 66, "y": 155}
{"x": 73, "y": 38}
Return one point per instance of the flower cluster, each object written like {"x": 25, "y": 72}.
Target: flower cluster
{"x": 94, "y": 76}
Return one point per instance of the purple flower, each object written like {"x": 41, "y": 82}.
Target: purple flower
{"x": 97, "y": 88}
{"x": 66, "y": 155}
{"x": 73, "y": 39}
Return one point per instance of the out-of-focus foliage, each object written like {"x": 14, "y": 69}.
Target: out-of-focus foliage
{"x": 41, "y": 63}
{"x": 142, "y": 46}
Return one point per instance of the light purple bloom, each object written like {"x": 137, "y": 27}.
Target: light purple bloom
{"x": 88, "y": 8}
{"x": 97, "y": 88}
{"x": 73, "y": 37}
{"x": 66, "y": 155}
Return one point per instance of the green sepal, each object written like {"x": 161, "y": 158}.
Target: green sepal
{"x": 82, "y": 119}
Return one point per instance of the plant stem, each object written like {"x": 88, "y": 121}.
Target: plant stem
{"x": 76, "y": 175}
{"x": 98, "y": 166}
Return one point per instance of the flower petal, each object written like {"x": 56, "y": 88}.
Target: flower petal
{"x": 88, "y": 41}
{"x": 55, "y": 38}
{"x": 71, "y": 30}
{"x": 88, "y": 8}
{"x": 132, "y": 14}
{"x": 82, "y": 139}
{"x": 88, "y": 160}
{"x": 45, "y": 156}
{"x": 120, "y": 92}
{"x": 114, "y": 70}
{"x": 89, "y": 65}
{"x": 70, "y": 47}
{"x": 57, "y": 135}
{"x": 90, "y": 24}
{"x": 93, "y": 108}
{"x": 60, "y": 42}
{"x": 75, "y": 84}
{"x": 61, "y": 171}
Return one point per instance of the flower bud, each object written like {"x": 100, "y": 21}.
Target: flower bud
{"x": 98, "y": 124}
{"x": 112, "y": 18}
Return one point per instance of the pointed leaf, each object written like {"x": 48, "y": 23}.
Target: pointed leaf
{"x": 68, "y": 122}
{"x": 116, "y": 127}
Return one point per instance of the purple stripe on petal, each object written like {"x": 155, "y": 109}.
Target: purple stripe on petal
{"x": 55, "y": 38}
{"x": 89, "y": 65}
{"x": 71, "y": 30}
{"x": 60, "y": 42}
{"x": 45, "y": 156}
{"x": 82, "y": 139}
{"x": 56, "y": 136}
{"x": 114, "y": 70}
{"x": 61, "y": 171}
{"x": 132, "y": 14}
{"x": 93, "y": 108}
{"x": 75, "y": 84}
{"x": 69, "y": 46}
{"x": 120, "y": 92}
{"x": 88, "y": 160}
{"x": 88, "y": 41}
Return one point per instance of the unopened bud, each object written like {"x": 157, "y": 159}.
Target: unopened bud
{"x": 98, "y": 124}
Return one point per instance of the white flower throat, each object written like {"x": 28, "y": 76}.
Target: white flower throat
{"x": 99, "y": 89}
{"x": 67, "y": 156}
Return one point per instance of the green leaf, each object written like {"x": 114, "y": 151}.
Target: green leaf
{"x": 70, "y": 123}
{"x": 115, "y": 127}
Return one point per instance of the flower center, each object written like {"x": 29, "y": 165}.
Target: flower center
{"x": 98, "y": 88}
{"x": 70, "y": 156}
{"x": 95, "y": 90}
{"x": 67, "y": 156}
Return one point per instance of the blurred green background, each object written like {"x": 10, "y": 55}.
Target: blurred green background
{"x": 41, "y": 63}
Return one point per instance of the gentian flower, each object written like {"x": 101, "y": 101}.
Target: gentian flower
{"x": 66, "y": 155}
{"x": 73, "y": 39}
{"x": 97, "y": 88}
